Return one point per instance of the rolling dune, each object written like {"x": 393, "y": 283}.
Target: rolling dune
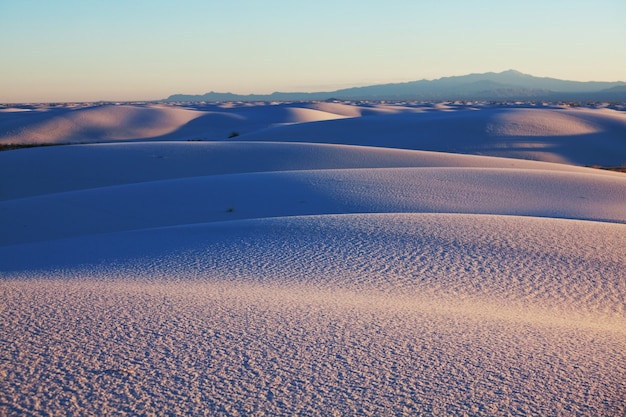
{"x": 278, "y": 194}
{"x": 264, "y": 276}
{"x": 108, "y": 123}
{"x": 368, "y": 314}
{"x": 551, "y": 133}
{"x": 563, "y": 135}
{"x": 52, "y": 170}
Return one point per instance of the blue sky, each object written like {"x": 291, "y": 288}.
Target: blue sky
{"x": 75, "y": 50}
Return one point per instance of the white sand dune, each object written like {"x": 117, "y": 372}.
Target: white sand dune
{"x": 579, "y": 136}
{"x": 572, "y": 136}
{"x": 99, "y": 123}
{"x": 40, "y": 171}
{"x": 279, "y": 278}
{"x": 367, "y": 314}
{"x": 278, "y": 194}
{"x": 136, "y": 122}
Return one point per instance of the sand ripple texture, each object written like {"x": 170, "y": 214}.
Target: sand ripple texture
{"x": 250, "y": 278}
{"x": 350, "y": 314}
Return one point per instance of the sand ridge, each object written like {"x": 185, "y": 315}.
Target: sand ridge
{"x": 39, "y": 171}
{"x": 546, "y": 132}
{"x": 276, "y": 194}
{"x": 315, "y": 265}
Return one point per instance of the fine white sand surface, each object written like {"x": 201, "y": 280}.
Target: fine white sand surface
{"x": 579, "y": 136}
{"x": 586, "y": 136}
{"x": 275, "y": 274}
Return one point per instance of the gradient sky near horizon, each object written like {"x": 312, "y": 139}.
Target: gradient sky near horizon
{"x": 76, "y": 50}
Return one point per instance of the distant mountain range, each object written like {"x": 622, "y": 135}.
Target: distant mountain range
{"x": 507, "y": 85}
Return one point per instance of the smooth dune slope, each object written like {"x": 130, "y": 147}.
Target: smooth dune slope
{"x": 36, "y": 171}
{"x": 276, "y": 194}
{"x": 99, "y": 123}
{"x": 553, "y": 133}
{"x": 106, "y": 123}
{"x": 563, "y": 135}
{"x": 265, "y": 276}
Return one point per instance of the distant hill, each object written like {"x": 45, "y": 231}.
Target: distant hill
{"x": 507, "y": 85}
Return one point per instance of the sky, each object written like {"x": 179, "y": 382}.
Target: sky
{"x": 124, "y": 50}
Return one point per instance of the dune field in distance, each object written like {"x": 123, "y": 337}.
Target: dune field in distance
{"x": 313, "y": 258}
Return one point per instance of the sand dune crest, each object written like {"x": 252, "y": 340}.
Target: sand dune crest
{"x": 328, "y": 260}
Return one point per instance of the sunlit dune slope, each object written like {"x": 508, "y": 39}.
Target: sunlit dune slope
{"x": 275, "y": 194}
{"x": 35, "y": 171}
{"x": 572, "y": 136}
{"x": 107, "y": 123}
{"x": 251, "y": 276}
{"x": 567, "y": 265}
{"x": 414, "y": 313}
{"x": 98, "y": 123}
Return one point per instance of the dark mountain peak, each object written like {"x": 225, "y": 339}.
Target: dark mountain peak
{"x": 510, "y": 85}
